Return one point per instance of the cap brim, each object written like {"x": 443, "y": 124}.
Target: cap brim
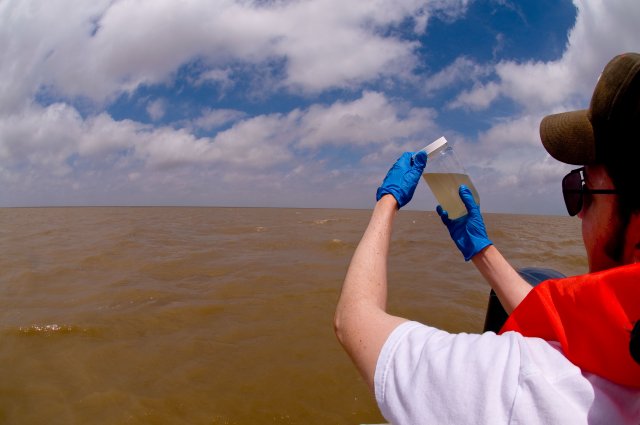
{"x": 568, "y": 137}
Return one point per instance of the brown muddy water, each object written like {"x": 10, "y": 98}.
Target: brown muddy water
{"x": 219, "y": 315}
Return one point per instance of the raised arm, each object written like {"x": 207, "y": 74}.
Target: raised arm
{"x": 361, "y": 322}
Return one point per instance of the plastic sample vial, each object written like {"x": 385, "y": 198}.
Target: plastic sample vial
{"x": 444, "y": 174}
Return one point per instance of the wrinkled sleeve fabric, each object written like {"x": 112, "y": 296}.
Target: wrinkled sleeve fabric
{"x": 428, "y": 376}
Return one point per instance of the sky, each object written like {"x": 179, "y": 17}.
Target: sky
{"x": 290, "y": 103}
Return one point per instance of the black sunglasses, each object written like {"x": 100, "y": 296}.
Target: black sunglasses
{"x": 573, "y": 190}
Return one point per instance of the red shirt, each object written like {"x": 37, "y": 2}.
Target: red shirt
{"x": 591, "y": 316}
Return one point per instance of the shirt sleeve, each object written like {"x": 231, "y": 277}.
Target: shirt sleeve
{"x": 422, "y": 372}
{"x": 425, "y": 375}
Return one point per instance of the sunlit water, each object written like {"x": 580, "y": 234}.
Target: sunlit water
{"x": 219, "y": 315}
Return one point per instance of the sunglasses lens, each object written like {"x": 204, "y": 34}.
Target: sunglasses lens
{"x": 572, "y": 192}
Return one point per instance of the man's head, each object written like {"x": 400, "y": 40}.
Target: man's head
{"x": 605, "y": 139}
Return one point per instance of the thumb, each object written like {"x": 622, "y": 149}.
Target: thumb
{"x": 444, "y": 216}
{"x": 420, "y": 160}
{"x": 467, "y": 198}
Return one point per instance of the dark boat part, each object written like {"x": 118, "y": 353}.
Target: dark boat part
{"x": 496, "y": 315}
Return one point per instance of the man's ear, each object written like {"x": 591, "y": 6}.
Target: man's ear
{"x": 632, "y": 242}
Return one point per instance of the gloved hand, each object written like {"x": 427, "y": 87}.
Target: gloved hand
{"x": 468, "y": 231}
{"x": 403, "y": 177}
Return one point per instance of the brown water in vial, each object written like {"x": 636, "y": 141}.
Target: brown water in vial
{"x": 445, "y": 188}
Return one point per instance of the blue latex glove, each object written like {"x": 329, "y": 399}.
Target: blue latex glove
{"x": 403, "y": 177}
{"x": 468, "y": 231}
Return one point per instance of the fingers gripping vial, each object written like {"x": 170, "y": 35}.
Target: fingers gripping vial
{"x": 468, "y": 232}
{"x": 403, "y": 177}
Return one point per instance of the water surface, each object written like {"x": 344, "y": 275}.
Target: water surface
{"x": 219, "y": 315}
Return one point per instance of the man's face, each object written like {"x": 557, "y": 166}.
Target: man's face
{"x": 603, "y": 230}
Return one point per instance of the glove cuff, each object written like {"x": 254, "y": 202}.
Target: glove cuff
{"x": 388, "y": 191}
{"x": 477, "y": 249}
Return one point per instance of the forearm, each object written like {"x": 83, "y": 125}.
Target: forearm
{"x": 361, "y": 323}
{"x": 366, "y": 279}
{"x": 504, "y": 279}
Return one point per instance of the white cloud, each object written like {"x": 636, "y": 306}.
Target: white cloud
{"x": 462, "y": 70}
{"x": 56, "y": 50}
{"x": 512, "y": 133}
{"x": 60, "y": 53}
{"x": 509, "y": 156}
{"x": 67, "y": 146}
{"x": 31, "y": 34}
{"x": 256, "y": 143}
{"x": 448, "y": 10}
{"x": 478, "y": 98}
{"x": 370, "y": 120}
{"x": 223, "y": 78}
{"x": 602, "y": 30}
{"x": 100, "y": 49}
{"x": 101, "y": 135}
{"x": 157, "y": 109}
{"x": 215, "y": 118}
{"x": 44, "y": 138}
{"x": 167, "y": 148}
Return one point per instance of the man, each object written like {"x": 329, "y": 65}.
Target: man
{"x": 564, "y": 354}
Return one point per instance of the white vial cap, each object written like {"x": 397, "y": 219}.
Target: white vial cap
{"x": 436, "y": 146}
